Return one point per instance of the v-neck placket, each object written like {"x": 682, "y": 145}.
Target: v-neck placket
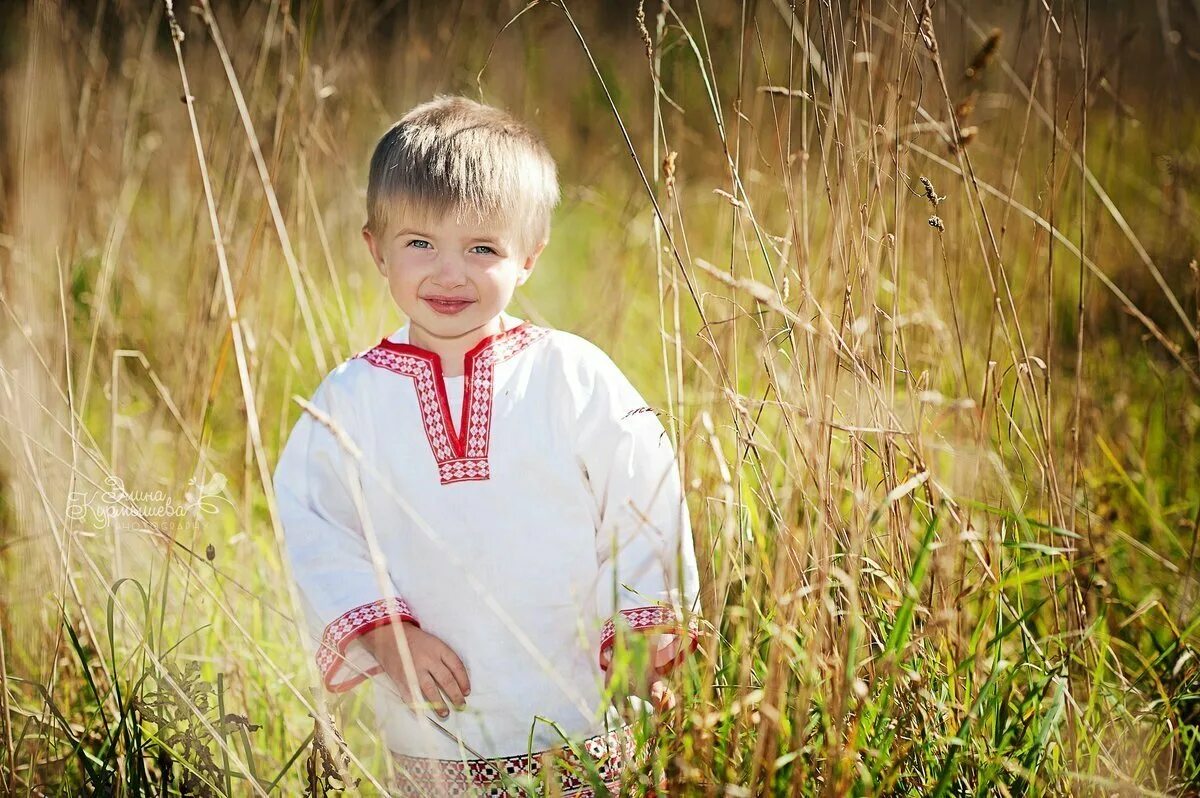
{"x": 458, "y": 437}
{"x": 462, "y": 453}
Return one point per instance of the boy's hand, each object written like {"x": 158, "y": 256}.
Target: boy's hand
{"x": 652, "y": 685}
{"x": 437, "y": 666}
{"x": 661, "y": 695}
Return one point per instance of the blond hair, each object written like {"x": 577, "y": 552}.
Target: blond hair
{"x": 452, "y": 154}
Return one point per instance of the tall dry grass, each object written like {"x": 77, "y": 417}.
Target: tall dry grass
{"x": 922, "y": 299}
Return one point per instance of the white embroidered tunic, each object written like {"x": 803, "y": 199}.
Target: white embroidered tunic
{"x": 518, "y": 525}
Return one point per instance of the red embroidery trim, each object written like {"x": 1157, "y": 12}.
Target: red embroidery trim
{"x": 462, "y": 454}
{"x": 613, "y": 752}
{"x": 343, "y": 629}
{"x": 656, "y": 618}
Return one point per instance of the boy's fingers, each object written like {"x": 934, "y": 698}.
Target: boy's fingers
{"x": 406, "y": 696}
{"x": 664, "y": 696}
{"x": 459, "y": 671}
{"x": 430, "y": 690}
{"x": 445, "y": 679}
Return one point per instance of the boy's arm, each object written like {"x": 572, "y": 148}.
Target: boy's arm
{"x": 320, "y": 504}
{"x": 644, "y": 536}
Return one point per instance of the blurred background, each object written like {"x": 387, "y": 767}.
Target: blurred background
{"x": 914, "y": 285}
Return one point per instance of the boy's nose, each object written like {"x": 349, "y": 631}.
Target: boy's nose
{"x": 450, "y": 272}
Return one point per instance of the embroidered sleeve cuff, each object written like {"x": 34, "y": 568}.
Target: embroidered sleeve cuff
{"x": 340, "y": 669}
{"x": 658, "y": 618}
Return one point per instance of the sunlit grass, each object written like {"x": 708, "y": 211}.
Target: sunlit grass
{"x": 945, "y": 549}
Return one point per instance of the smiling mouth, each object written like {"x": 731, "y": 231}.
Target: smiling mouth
{"x": 446, "y": 304}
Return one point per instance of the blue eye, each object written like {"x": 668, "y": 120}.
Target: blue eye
{"x": 484, "y": 246}
{"x": 416, "y": 241}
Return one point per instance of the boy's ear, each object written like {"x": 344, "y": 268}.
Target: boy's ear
{"x": 530, "y": 261}
{"x": 374, "y": 247}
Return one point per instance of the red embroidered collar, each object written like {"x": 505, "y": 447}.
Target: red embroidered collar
{"x": 462, "y": 453}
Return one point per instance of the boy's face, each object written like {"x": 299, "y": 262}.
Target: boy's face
{"x": 448, "y": 276}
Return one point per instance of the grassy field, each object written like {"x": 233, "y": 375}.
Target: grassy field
{"x": 916, "y": 290}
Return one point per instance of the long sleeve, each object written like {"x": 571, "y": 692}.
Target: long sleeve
{"x": 316, "y": 483}
{"x": 648, "y": 575}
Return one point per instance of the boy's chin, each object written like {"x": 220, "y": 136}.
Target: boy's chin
{"x": 462, "y": 323}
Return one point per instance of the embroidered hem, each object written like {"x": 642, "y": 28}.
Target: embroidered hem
{"x": 612, "y": 752}
{"x": 656, "y": 618}
{"x": 342, "y": 630}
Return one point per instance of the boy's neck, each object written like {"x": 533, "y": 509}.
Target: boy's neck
{"x": 453, "y": 351}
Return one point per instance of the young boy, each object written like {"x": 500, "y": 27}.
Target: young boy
{"x": 475, "y": 505}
